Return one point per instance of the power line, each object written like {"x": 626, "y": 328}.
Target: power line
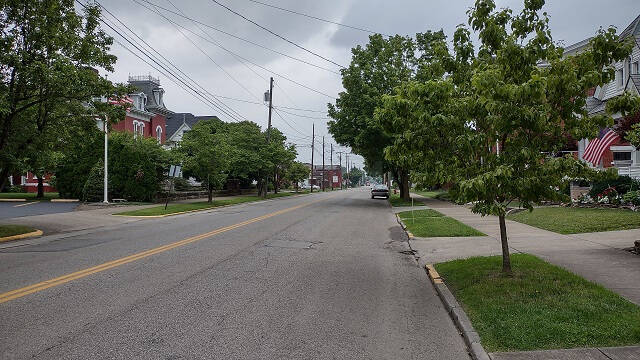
{"x": 317, "y": 18}
{"x": 304, "y": 116}
{"x": 279, "y": 36}
{"x": 307, "y": 110}
{"x": 207, "y": 55}
{"x": 240, "y": 57}
{"x": 169, "y": 73}
{"x": 234, "y": 36}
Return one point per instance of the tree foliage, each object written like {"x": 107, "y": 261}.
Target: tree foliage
{"x": 489, "y": 125}
{"x": 47, "y": 52}
{"x": 205, "y": 152}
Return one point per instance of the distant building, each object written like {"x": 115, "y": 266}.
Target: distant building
{"x": 180, "y": 123}
{"x": 147, "y": 116}
{"x": 332, "y": 176}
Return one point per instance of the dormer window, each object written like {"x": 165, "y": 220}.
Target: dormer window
{"x": 620, "y": 77}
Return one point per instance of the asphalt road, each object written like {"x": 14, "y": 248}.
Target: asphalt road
{"x": 310, "y": 277}
{"x": 10, "y": 210}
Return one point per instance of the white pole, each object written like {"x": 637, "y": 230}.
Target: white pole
{"x": 106, "y": 158}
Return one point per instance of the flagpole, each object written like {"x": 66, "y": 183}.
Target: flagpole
{"x": 106, "y": 158}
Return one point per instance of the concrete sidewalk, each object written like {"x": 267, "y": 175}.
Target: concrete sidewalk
{"x": 598, "y": 257}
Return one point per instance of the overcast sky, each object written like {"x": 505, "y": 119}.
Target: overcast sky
{"x": 210, "y": 64}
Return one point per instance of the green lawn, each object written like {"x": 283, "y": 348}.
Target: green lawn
{"x": 429, "y": 193}
{"x": 11, "y": 230}
{"x": 430, "y": 223}
{"x": 28, "y": 196}
{"x": 540, "y": 306}
{"x": 569, "y": 220}
{"x": 182, "y": 207}
{"x": 397, "y": 201}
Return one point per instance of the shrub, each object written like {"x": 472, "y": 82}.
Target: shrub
{"x": 622, "y": 185}
{"x": 93, "y": 189}
{"x": 632, "y": 197}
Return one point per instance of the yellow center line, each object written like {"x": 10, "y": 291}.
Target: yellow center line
{"x": 18, "y": 293}
{"x": 27, "y": 203}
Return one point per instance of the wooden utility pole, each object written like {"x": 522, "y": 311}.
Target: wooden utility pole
{"x": 323, "y": 170}
{"x": 332, "y": 171}
{"x": 266, "y": 181}
{"x": 348, "y": 179}
{"x": 313, "y": 138}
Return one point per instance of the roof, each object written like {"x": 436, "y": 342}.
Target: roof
{"x": 175, "y": 121}
{"x": 635, "y": 80}
{"x": 149, "y": 85}
{"x": 630, "y": 30}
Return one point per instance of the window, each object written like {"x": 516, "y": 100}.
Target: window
{"x": 620, "y": 77}
{"x": 634, "y": 68}
{"x": 622, "y": 156}
{"x": 138, "y": 129}
{"x": 159, "y": 134}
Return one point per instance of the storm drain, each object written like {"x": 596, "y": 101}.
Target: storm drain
{"x": 290, "y": 244}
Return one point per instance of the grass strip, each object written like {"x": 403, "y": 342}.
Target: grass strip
{"x": 29, "y": 196}
{"x": 429, "y": 193}
{"x": 539, "y": 306}
{"x": 204, "y": 205}
{"x": 569, "y": 220}
{"x": 396, "y": 201}
{"x": 430, "y": 223}
{"x": 11, "y": 230}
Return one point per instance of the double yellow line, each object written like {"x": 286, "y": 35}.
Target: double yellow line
{"x": 18, "y": 293}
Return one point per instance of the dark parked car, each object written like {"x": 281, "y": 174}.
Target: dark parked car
{"x": 380, "y": 190}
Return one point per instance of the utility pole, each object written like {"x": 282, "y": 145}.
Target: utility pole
{"x": 266, "y": 181}
{"x": 332, "y": 170}
{"x": 313, "y": 138}
{"x": 340, "y": 154}
{"x": 106, "y": 160}
{"x": 323, "y": 170}
{"x": 348, "y": 179}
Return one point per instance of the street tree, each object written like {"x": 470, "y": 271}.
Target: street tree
{"x": 375, "y": 70}
{"x": 47, "y": 52}
{"x": 205, "y": 153}
{"x": 297, "y": 172}
{"x": 491, "y": 126}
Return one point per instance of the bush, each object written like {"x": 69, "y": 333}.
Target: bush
{"x": 632, "y": 197}
{"x": 622, "y": 185}
{"x": 17, "y": 189}
{"x": 93, "y": 189}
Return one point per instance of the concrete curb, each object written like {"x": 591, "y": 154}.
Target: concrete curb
{"x": 65, "y": 200}
{"x": 404, "y": 227}
{"x": 21, "y": 236}
{"x": 13, "y": 200}
{"x": 458, "y": 315}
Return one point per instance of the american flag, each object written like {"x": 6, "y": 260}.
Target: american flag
{"x": 595, "y": 149}
{"x": 126, "y": 101}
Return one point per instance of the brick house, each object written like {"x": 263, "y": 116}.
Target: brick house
{"x": 619, "y": 154}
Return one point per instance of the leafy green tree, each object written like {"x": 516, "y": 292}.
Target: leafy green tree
{"x": 93, "y": 189}
{"x": 46, "y": 54}
{"x": 355, "y": 175}
{"x": 375, "y": 70}
{"x": 279, "y": 155}
{"x": 136, "y": 166}
{"x": 206, "y": 152}
{"x": 491, "y": 125}
{"x": 297, "y": 172}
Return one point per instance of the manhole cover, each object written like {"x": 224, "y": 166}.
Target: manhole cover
{"x": 291, "y": 244}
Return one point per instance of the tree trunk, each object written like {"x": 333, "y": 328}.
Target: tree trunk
{"x": 40, "y": 187}
{"x": 209, "y": 189}
{"x": 403, "y": 184}
{"x": 4, "y": 175}
{"x": 506, "y": 259}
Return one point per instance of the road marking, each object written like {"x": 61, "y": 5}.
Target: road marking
{"x": 27, "y": 203}
{"x": 18, "y": 293}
